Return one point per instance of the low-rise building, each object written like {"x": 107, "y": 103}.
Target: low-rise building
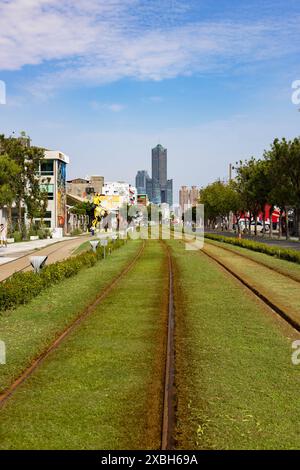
{"x": 85, "y": 188}
{"x": 52, "y": 173}
{"x": 126, "y": 192}
{"x": 188, "y": 197}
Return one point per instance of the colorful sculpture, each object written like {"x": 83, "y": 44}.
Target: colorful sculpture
{"x": 99, "y": 210}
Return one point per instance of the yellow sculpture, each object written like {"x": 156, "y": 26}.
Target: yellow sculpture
{"x": 99, "y": 210}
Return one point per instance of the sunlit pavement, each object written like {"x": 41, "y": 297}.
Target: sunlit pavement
{"x": 17, "y": 250}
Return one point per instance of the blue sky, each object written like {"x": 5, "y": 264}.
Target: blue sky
{"x": 106, "y": 80}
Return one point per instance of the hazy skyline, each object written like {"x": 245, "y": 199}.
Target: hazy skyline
{"x": 105, "y": 81}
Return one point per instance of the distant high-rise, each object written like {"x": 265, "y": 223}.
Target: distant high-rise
{"x": 159, "y": 165}
{"x": 158, "y": 188}
{"x": 188, "y": 197}
{"x": 141, "y": 181}
{"x": 162, "y": 188}
{"x": 184, "y": 196}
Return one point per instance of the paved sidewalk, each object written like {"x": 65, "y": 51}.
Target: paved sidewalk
{"x": 16, "y": 250}
{"x": 57, "y": 250}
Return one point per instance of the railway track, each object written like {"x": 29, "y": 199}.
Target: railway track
{"x": 169, "y": 396}
{"x": 88, "y": 311}
{"x": 264, "y": 298}
{"x": 168, "y": 418}
{"x": 260, "y": 263}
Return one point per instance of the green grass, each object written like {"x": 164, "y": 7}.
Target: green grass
{"x": 29, "y": 329}
{"x": 85, "y": 246}
{"x": 236, "y": 385}
{"x": 281, "y": 265}
{"x": 284, "y": 292}
{"x": 276, "y": 251}
{"x": 102, "y": 388}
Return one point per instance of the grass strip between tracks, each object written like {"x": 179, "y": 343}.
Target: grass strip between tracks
{"x": 277, "y": 288}
{"x": 236, "y": 385}
{"x": 29, "y": 329}
{"x": 280, "y": 265}
{"x": 103, "y": 387}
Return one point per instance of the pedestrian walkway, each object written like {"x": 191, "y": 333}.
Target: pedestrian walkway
{"x": 16, "y": 250}
{"x": 55, "y": 249}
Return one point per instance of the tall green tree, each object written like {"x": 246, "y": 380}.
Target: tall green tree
{"x": 9, "y": 172}
{"x": 26, "y": 184}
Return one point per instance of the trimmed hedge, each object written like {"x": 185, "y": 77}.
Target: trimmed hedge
{"x": 282, "y": 253}
{"x": 21, "y": 287}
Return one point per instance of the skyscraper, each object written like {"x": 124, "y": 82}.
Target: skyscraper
{"x": 141, "y": 181}
{"x": 162, "y": 188}
{"x": 158, "y": 188}
{"x": 159, "y": 165}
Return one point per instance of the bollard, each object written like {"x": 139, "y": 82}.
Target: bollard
{"x": 38, "y": 262}
{"x": 94, "y": 245}
{"x": 104, "y": 243}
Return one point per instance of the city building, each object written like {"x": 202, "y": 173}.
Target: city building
{"x": 158, "y": 188}
{"x": 116, "y": 194}
{"x": 52, "y": 173}
{"x": 188, "y": 197}
{"x": 159, "y": 166}
{"x": 85, "y": 188}
{"x": 141, "y": 181}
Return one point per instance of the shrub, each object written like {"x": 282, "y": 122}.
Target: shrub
{"x": 76, "y": 231}
{"x": 42, "y": 233}
{"x": 21, "y": 287}
{"x": 282, "y": 253}
{"x": 17, "y": 236}
{"x": 32, "y": 232}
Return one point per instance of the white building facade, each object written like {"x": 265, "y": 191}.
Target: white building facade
{"x": 52, "y": 173}
{"x": 126, "y": 192}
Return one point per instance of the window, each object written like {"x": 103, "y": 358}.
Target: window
{"x": 48, "y": 188}
{"x": 48, "y": 215}
{"x": 47, "y": 167}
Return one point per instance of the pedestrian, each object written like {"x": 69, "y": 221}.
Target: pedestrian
{"x": 3, "y": 235}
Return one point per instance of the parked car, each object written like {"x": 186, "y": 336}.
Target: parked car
{"x": 260, "y": 226}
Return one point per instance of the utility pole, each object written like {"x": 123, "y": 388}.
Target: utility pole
{"x": 230, "y": 172}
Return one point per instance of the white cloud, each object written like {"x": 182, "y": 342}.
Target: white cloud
{"x": 100, "y": 41}
{"x": 113, "y": 107}
{"x": 156, "y": 99}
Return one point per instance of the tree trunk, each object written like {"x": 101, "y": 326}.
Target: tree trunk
{"x": 20, "y": 216}
{"x": 264, "y": 223}
{"x": 9, "y": 219}
{"x": 298, "y": 221}
{"x": 280, "y": 224}
{"x": 271, "y": 223}
{"x": 287, "y": 223}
